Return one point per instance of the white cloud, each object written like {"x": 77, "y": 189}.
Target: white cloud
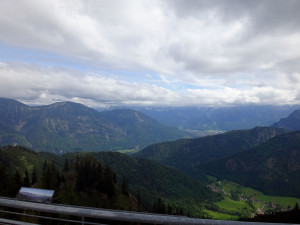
{"x": 231, "y": 52}
{"x": 40, "y": 85}
{"x": 46, "y": 85}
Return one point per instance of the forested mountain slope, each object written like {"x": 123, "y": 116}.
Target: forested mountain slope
{"x": 272, "y": 167}
{"x": 145, "y": 178}
{"x": 187, "y": 154}
{"x": 67, "y": 126}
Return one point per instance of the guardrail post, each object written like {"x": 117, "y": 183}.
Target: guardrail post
{"x": 82, "y": 220}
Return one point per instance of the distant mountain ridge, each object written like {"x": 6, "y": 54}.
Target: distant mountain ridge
{"x": 265, "y": 158}
{"x": 185, "y": 155}
{"x": 219, "y": 118}
{"x": 68, "y": 126}
{"x": 292, "y": 122}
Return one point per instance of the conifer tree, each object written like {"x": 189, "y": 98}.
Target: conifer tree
{"x": 77, "y": 162}
{"x": 66, "y": 166}
{"x": 169, "y": 210}
{"x": 296, "y": 208}
{"x": 139, "y": 200}
{"x": 159, "y": 206}
{"x": 109, "y": 178}
{"x": 5, "y": 184}
{"x": 50, "y": 176}
{"x": 26, "y": 182}
{"x": 125, "y": 186}
{"x": 17, "y": 182}
{"x": 33, "y": 176}
{"x": 45, "y": 176}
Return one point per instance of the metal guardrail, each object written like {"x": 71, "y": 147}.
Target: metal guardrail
{"x": 116, "y": 215}
{"x": 12, "y": 222}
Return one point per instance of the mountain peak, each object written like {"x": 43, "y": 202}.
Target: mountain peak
{"x": 66, "y": 104}
{"x": 292, "y": 122}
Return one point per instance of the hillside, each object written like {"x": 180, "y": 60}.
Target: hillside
{"x": 155, "y": 181}
{"x": 141, "y": 128}
{"x": 74, "y": 183}
{"x": 185, "y": 155}
{"x": 272, "y": 167}
{"x": 67, "y": 126}
{"x": 292, "y": 122}
{"x": 149, "y": 179}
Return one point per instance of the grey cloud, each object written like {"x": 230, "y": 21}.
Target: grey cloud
{"x": 195, "y": 42}
{"x": 148, "y": 36}
{"x": 265, "y": 15}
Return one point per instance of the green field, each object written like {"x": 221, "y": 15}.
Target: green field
{"x": 128, "y": 151}
{"x": 219, "y": 216}
{"x": 251, "y": 202}
{"x": 232, "y": 205}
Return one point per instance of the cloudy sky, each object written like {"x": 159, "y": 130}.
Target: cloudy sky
{"x": 141, "y": 52}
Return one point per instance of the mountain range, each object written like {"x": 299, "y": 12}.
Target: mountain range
{"x": 67, "y": 126}
{"x": 186, "y": 154}
{"x": 219, "y": 118}
{"x": 265, "y": 158}
{"x": 292, "y": 122}
{"x": 272, "y": 167}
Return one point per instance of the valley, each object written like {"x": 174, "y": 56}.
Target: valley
{"x": 186, "y": 108}
{"x": 240, "y": 201}
{"x": 226, "y": 175}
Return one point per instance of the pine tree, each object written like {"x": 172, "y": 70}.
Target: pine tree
{"x": 45, "y": 176}
{"x": 89, "y": 175}
{"x": 100, "y": 177}
{"x": 17, "y": 182}
{"x": 125, "y": 186}
{"x": 5, "y": 184}
{"x": 77, "y": 162}
{"x": 296, "y": 208}
{"x": 169, "y": 210}
{"x": 109, "y": 178}
{"x": 33, "y": 176}
{"x": 50, "y": 176}
{"x": 66, "y": 166}
{"x": 80, "y": 184}
{"x": 54, "y": 177}
{"x": 159, "y": 206}
{"x": 139, "y": 200}
{"x": 26, "y": 182}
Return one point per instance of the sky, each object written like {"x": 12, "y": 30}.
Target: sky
{"x": 150, "y": 53}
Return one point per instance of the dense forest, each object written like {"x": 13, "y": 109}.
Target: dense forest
{"x": 272, "y": 167}
{"x": 187, "y": 154}
{"x": 114, "y": 180}
{"x": 74, "y": 184}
